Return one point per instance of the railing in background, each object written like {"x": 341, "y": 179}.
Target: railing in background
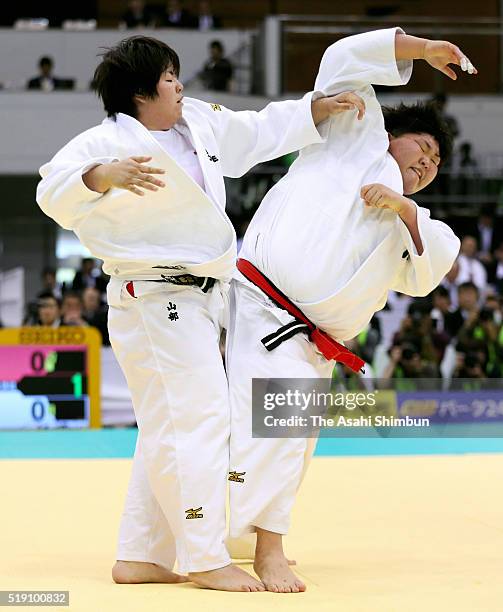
{"x": 293, "y": 45}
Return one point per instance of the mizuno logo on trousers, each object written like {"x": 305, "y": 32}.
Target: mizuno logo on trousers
{"x": 194, "y": 513}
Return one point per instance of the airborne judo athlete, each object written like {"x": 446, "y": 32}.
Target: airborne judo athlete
{"x": 326, "y": 245}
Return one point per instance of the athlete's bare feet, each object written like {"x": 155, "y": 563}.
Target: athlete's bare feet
{"x": 228, "y": 578}
{"x": 244, "y": 547}
{"x": 139, "y": 572}
{"x": 271, "y": 565}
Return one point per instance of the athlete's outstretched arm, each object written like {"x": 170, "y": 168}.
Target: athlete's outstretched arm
{"x": 438, "y": 53}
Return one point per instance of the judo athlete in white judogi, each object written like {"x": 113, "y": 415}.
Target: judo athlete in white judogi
{"x": 170, "y": 254}
{"x": 334, "y": 236}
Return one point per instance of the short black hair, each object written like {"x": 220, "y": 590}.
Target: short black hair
{"x": 72, "y": 294}
{"x": 47, "y": 295}
{"x": 133, "y": 67}
{"x": 468, "y": 285}
{"x": 216, "y": 44}
{"x": 46, "y": 61}
{"x": 441, "y": 291}
{"x": 421, "y": 117}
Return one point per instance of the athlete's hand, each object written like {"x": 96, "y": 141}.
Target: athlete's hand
{"x": 440, "y": 53}
{"x": 379, "y": 196}
{"x": 323, "y": 108}
{"x": 131, "y": 174}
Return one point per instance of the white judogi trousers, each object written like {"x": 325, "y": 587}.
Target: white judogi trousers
{"x": 166, "y": 340}
{"x": 273, "y": 467}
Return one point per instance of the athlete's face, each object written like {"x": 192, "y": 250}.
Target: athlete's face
{"x": 418, "y": 158}
{"x": 163, "y": 111}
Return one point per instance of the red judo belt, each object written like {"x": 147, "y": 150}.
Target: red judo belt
{"x": 328, "y": 347}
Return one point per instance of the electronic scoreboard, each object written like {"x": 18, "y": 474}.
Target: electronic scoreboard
{"x": 49, "y": 377}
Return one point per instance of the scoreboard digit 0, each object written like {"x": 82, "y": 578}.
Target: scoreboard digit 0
{"x": 49, "y": 377}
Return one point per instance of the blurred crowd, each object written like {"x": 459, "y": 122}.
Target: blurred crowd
{"x": 81, "y": 303}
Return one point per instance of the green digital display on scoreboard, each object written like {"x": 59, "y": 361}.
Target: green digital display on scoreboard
{"x": 49, "y": 378}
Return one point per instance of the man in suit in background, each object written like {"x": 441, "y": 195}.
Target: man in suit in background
{"x": 46, "y": 81}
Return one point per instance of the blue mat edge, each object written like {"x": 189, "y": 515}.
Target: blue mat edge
{"x": 120, "y": 444}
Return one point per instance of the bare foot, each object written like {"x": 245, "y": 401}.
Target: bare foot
{"x": 271, "y": 565}
{"x": 228, "y": 578}
{"x": 139, "y": 572}
{"x": 276, "y": 575}
{"x": 244, "y": 547}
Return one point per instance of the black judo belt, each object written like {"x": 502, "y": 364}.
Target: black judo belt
{"x": 205, "y": 283}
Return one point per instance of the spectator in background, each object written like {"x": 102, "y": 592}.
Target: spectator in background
{"x": 88, "y": 276}
{"x": 49, "y": 283}
{"x": 467, "y": 171}
{"x": 217, "y": 71}
{"x": 494, "y": 305}
{"x": 468, "y": 300}
{"x": 487, "y": 236}
{"x": 176, "y": 16}
{"x": 443, "y": 185}
{"x": 469, "y": 366}
{"x": 440, "y": 101}
{"x": 418, "y": 329}
{"x": 49, "y": 310}
{"x": 49, "y": 288}
{"x": 451, "y": 283}
{"x": 46, "y": 81}
{"x": 138, "y": 15}
{"x": 205, "y": 19}
{"x": 467, "y": 164}
{"x": 480, "y": 336}
{"x": 498, "y": 268}
{"x": 72, "y": 310}
{"x": 470, "y": 268}
{"x": 405, "y": 362}
{"x": 91, "y": 301}
{"x": 441, "y": 302}
{"x": 95, "y": 313}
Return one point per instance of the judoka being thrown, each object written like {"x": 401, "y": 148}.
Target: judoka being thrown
{"x": 324, "y": 248}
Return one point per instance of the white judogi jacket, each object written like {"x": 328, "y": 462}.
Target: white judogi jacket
{"x": 314, "y": 237}
{"x": 180, "y": 228}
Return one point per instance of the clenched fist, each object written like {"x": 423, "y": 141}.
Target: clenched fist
{"x": 380, "y": 196}
{"x": 131, "y": 174}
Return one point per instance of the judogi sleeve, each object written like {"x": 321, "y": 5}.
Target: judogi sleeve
{"x": 360, "y": 60}
{"x": 420, "y": 274}
{"x": 61, "y": 193}
{"x": 246, "y": 138}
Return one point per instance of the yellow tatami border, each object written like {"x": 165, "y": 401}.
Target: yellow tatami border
{"x": 370, "y": 534}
